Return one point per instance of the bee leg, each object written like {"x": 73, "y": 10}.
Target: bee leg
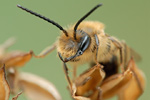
{"x": 74, "y": 72}
{"x": 67, "y": 76}
{"x": 119, "y": 46}
{"x": 97, "y": 43}
{"x": 46, "y": 51}
{"x": 66, "y": 72}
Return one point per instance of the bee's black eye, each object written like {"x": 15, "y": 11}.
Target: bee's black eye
{"x": 85, "y": 43}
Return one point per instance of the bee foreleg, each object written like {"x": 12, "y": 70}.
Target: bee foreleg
{"x": 97, "y": 44}
{"x": 66, "y": 72}
{"x": 46, "y": 51}
{"x": 67, "y": 76}
{"x": 119, "y": 46}
{"x": 74, "y": 72}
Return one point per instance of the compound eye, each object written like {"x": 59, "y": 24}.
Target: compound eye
{"x": 85, "y": 43}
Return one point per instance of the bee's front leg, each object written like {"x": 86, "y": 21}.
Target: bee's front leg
{"x": 46, "y": 51}
{"x": 74, "y": 72}
{"x": 66, "y": 72}
{"x": 97, "y": 44}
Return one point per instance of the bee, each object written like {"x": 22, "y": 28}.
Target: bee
{"x": 86, "y": 42}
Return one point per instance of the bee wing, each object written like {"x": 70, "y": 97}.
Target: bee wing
{"x": 135, "y": 55}
{"x": 129, "y": 52}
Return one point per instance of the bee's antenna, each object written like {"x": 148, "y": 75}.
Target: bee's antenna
{"x": 85, "y": 16}
{"x": 44, "y": 18}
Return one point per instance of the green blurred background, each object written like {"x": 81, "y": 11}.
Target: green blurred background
{"x": 127, "y": 20}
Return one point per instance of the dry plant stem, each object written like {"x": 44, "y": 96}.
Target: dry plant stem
{"x": 138, "y": 82}
{"x": 46, "y": 51}
{"x": 16, "y": 97}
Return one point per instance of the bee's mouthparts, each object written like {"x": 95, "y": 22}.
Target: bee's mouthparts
{"x": 65, "y": 60}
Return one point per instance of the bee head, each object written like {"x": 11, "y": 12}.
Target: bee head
{"x": 71, "y": 48}
{"x": 84, "y": 39}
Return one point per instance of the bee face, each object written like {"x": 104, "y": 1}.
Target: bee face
{"x": 69, "y": 48}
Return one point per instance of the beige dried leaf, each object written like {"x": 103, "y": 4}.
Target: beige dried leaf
{"x": 116, "y": 83}
{"x": 85, "y": 86}
{"x": 16, "y": 59}
{"x": 36, "y": 88}
{"x": 89, "y": 80}
{"x": 136, "y": 86}
{"x": 4, "y": 87}
{"x": 92, "y": 84}
{"x": 74, "y": 90}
